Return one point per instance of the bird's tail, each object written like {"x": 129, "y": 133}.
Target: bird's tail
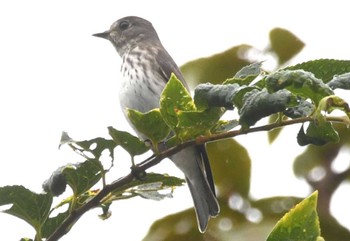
{"x": 195, "y": 165}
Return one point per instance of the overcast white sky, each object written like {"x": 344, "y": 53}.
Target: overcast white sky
{"x": 56, "y": 77}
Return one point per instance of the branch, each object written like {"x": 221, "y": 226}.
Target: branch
{"x": 155, "y": 159}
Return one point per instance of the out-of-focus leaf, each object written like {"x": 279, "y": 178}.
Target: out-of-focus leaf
{"x": 29, "y": 206}
{"x": 246, "y": 75}
{"x": 231, "y": 167}
{"x": 273, "y": 134}
{"x": 258, "y": 104}
{"x": 133, "y": 145}
{"x": 229, "y": 225}
{"x": 151, "y": 124}
{"x": 324, "y": 69}
{"x": 209, "y": 95}
{"x": 275, "y": 206}
{"x": 175, "y": 98}
{"x": 317, "y": 157}
{"x": 340, "y": 82}
{"x": 216, "y": 68}
{"x": 300, "y": 223}
{"x": 300, "y": 83}
{"x": 285, "y": 44}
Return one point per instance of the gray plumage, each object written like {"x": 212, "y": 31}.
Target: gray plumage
{"x": 146, "y": 67}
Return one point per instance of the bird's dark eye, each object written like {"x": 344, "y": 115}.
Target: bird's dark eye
{"x": 124, "y": 25}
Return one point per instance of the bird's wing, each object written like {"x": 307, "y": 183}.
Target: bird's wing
{"x": 168, "y": 66}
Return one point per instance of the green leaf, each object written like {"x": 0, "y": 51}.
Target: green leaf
{"x": 174, "y": 98}
{"x": 151, "y": 124}
{"x": 331, "y": 103}
{"x": 216, "y": 68}
{"x": 133, "y": 145}
{"x": 53, "y": 223}
{"x": 82, "y": 176}
{"x": 231, "y": 167}
{"x": 300, "y": 83}
{"x": 258, "y": 104}
{"x": 209, "y": 95}
{"x": 285, "y": 44}
{"x": 195, "y": 123}
{"x": 29, "y": 206}
{"x": 300, "y": 223}
{"x": 324, "y": 69}
{"x": 317, "y": 134}
{"x": 97, "y": 145}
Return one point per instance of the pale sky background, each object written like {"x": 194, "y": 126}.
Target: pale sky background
{"x": 56, "y": 77}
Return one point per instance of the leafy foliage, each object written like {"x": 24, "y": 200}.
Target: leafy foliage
{"x": 303, "y": 93}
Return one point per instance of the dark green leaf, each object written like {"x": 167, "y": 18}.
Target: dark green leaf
{"x": 217, "y": 68}
{"x": 340, "y": 82}
{"x": 317, "y": 134}
{"x": 150, "y": 124}
{"x": 56, "y": 184}
{"x": 321, "y": 157}
{"x": 300, "y": 223}
{"x": 258, "y": 104}
{"x": 300, "y": 83}
{"x": 31, "y": 207}
{"x": 97, "y": 145}
{"x": 133, "y": 145}
{"x": 53, "y": 223}
{"x": 240, "y": 93}
{"x": 324, "y": 69}
{"x": 209, "y": 95}
{"x": 304, "y": 109}
{"x": 285, "y": 44}
{"x": 82, "y": 176}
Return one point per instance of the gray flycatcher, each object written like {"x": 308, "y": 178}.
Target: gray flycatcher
{"x": 146, "y": 68}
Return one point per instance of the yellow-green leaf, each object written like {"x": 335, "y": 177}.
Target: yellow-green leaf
{"x": 300, "y": 223}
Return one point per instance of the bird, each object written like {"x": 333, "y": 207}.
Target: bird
{"x": 146, "y": 68}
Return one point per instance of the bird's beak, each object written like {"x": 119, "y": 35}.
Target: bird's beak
{"x": 104, "y": 35}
